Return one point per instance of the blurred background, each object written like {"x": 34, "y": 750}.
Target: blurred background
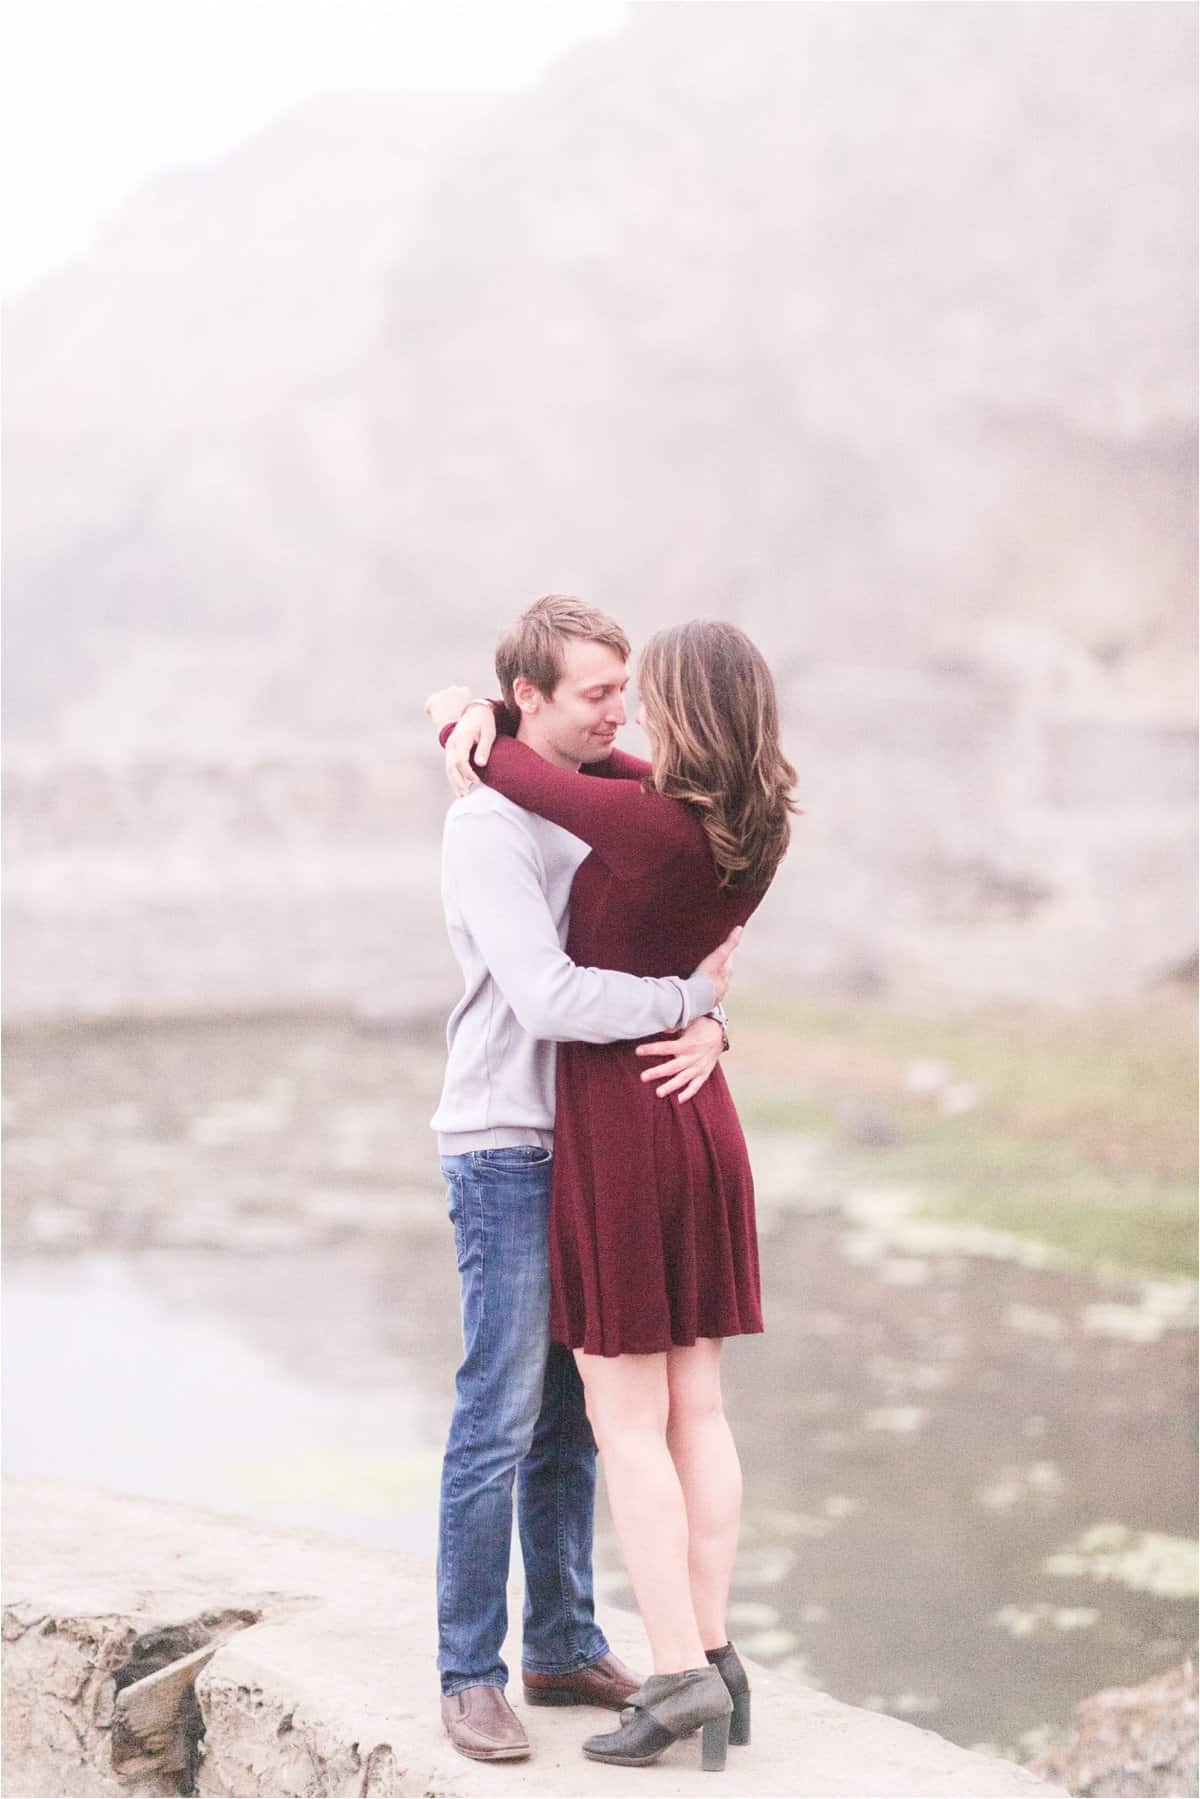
{"x": 337, "y": 335}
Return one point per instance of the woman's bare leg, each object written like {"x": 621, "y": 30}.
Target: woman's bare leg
{"x": 627, "y": 1403}
{"x": 710, "y": 1475}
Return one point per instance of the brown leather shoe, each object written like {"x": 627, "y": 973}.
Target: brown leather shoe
{"x": 482, "y": 1724}
{"x": 607, "y": 1682}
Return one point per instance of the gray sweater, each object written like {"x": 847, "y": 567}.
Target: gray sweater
{"x": 506, "y": 884}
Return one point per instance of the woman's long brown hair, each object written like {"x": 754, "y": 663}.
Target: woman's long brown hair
{"x": 710, "y": 702}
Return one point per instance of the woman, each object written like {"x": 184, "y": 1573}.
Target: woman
{"x": 653, "y": 1250}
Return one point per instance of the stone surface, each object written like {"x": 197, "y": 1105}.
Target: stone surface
{"x": 1133, "y": 1741}
{"x": 333, "y": 1691}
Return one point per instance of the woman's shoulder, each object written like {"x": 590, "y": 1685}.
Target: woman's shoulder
{"x": 680, "y": 823}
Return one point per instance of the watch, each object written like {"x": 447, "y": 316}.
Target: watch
{"x": 718, "y": 1012}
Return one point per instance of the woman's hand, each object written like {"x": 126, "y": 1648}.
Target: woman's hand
{"x": 475, "y": 730}
{"x": 694, "y": 1054}
{"x": 447, "y": 704}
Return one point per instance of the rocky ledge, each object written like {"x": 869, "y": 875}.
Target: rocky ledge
{"x": 155, "y": 1648}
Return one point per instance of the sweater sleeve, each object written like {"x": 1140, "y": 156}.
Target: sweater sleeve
{"x": 499, "y": 889}
{"x": 629, "y": 829}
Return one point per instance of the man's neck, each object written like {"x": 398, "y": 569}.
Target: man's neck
{"x": 529, "y": 735}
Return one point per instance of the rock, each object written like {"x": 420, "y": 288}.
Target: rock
{"x": 866, "y": 1124}
{"x": 1132, "y": 1741}
{"x": 959, "y": 1096}
{"x": 925, "y": 1077}
{"x": 157, "y": 1726}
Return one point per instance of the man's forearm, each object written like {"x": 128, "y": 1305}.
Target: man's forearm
{"x": 569, "y": 1003}
{"x": 505, "y": 908}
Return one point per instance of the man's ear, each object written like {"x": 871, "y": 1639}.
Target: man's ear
{"x": 526, "y": 695}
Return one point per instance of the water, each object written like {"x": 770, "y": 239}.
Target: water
{"x": 153, "y": 1386}
{"x": 230, "y": 1281}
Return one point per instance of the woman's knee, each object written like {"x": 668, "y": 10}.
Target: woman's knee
{"x": 696, "y": 1420}
{"x": 694, "y": 1385}
{"x": 625, "y": 1394}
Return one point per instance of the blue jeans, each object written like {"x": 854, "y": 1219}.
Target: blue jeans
{"x": 518, "y": 1414}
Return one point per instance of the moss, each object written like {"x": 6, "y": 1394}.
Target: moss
{"x": 1082, "y": 1133}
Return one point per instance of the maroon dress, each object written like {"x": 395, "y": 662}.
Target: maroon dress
{"x": 652, "y": 1236}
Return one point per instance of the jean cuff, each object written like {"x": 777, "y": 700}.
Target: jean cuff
{"x": 460, "y": 1686}
{"x": 594, "y": 1655}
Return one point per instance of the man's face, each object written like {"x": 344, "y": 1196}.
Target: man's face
{"x": 587, "y": 709}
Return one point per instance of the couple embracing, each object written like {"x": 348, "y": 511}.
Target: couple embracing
{"x": 596, "y": 1172}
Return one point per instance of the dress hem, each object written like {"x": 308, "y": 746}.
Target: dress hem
{"x": 744, "y": 1330}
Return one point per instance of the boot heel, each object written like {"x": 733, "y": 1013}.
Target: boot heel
{"x": 713, "y": 1744}
{"x": 728, "y": 1664}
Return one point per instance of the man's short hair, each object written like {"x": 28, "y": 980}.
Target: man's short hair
{"x": 533, "y": 647}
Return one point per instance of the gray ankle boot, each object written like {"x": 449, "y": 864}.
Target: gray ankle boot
{"x": 663, "y": 1709}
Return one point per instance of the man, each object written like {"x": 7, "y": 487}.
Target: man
{"x": 519, "y": 1409}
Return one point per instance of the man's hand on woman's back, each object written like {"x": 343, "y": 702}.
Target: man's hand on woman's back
{"x": 718, "y": 964}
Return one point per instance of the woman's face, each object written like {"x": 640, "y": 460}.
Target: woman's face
{"x": 642, "y": 716}
{"x": 644, "y": 721}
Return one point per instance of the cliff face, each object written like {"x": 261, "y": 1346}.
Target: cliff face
{"x": 975, "y": 848}
{"x": 189, "y": 471}
{"x": 870, "y": 327}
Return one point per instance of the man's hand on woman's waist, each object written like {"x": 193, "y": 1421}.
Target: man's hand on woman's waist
{"x": 693, "y": 1056}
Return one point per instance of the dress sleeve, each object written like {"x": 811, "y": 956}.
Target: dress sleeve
{"x": 627, "y": 828}
{"x": 506, "y": 721}
{"x": 619, "y": 766}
